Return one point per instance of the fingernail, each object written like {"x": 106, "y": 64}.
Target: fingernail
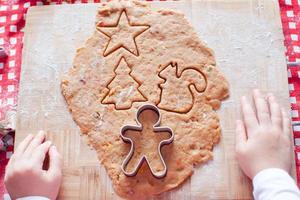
{"x": 272, "y": 98}
{"x": 30, "y": 135}
{"x": 48, "y": 142}
{"x": 54, "y": 148}
{"x": 41, "y": 133}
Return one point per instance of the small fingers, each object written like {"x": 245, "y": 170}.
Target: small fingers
{"x": 262, "y": 107}
{"x": 276, "y": 116}
{"x": 23, "y": 145}
{"x": 35, "y": 142}
{"x": 240, "y": 135}
{"x": 55, "y": 162}
{"x": 40, "y": 152}
{"x": 250, "y": 120}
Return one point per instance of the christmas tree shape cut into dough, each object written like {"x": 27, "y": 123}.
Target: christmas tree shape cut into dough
{"x": 122, "y": 34}
{"x": 123, "y": 88}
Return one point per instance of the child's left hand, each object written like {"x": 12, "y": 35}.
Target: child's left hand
{"x": 24, "y": 173}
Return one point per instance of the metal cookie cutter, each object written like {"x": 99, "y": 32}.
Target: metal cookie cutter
{"x": 139, "y": 127}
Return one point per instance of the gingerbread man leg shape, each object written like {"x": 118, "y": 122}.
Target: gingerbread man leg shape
{"x": 146, "y": 126}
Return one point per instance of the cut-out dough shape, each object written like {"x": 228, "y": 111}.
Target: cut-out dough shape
{"x": 123, "y": 88}
{"x": 122, "y": 35}
{"x": 185, "y": 83}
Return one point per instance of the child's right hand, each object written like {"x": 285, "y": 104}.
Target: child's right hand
{"x": 263, "y": 137}
{"x": 24, "y": 174}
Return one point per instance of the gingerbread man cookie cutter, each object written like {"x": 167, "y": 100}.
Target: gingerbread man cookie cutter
{"x": 139, "y": 127}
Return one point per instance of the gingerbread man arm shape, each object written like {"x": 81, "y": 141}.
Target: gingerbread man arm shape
{"x": 139, "y": 127}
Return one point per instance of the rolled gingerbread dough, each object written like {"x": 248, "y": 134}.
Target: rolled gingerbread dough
{"x": 139, "y": 55}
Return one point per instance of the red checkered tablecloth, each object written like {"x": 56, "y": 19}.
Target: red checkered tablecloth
{"x": 12, "y": 21}
{"x": 290, "y": 17}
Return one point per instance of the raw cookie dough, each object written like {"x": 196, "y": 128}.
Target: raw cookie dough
{"x": 140, "y": 55}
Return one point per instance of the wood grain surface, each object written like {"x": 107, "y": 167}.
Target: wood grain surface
{"x": 248, "y": 43}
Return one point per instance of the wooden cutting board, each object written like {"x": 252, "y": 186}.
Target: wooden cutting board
{"x": 248, "y": 42}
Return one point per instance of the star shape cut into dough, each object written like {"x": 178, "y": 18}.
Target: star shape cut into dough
{"x": 122, "y": 35}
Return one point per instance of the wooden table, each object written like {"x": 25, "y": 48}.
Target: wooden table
{"x": 248, "y": 42}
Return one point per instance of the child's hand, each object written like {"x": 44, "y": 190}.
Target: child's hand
{"x": 263, "y": 137}
{"x": 24, "y": 173}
